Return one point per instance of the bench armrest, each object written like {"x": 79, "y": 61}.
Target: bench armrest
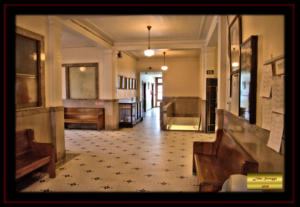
{"x": 206, "y": 148}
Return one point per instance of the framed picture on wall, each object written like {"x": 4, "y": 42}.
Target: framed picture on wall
{"x": 82, "y": 80}
{"x": 119, "y": 82}
{"x": 133, "y": 83}
{"x": 235, "y": 40}
{"x": 125, "y": 83}
{"x": 248, "y": 78}
{"x": 130, "y": 83}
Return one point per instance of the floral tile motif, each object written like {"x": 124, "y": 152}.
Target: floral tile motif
{"x": 138, "y": 159}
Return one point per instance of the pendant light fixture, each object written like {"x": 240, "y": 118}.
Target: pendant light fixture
{"x": 164, "y": 67}
{"x": 149, "y": 52}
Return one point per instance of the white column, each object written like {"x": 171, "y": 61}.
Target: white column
{"x": 222, "y": 62}
{"x": 108, "y": 81}
{"x": 203, "y": 73}
{"x": 54, "y": 62}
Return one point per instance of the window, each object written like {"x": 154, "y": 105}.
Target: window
{"x": 29, "y": 69}
{"x": 82, "y": 80}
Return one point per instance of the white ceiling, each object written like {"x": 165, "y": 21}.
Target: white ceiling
{"x": 71, "y": 38}
{"x": 133, "y": 28}
{"x": 164, "y": 27}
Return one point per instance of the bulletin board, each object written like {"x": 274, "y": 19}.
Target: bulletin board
{"x": 272, "y": 101}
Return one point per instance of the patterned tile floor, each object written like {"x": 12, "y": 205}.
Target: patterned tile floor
{"x": 138, "y": 159}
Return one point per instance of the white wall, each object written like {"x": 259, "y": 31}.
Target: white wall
{"x": 127, "y": 68}
{"x": 46, "y": 121}
{"x": 182, "y": 77}
{"x": 81, "y": 55}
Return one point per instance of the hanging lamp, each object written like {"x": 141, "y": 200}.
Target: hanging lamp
{"x": 164, "y": 67}
{"x": 149, "y": 52}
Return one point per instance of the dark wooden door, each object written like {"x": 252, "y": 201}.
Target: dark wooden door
{"x": 211, "y": 103}
{"x": 144, "y": 97}
{"x": 152, "y": 95}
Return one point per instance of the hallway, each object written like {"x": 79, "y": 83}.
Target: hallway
{"x": 138, "y": 159}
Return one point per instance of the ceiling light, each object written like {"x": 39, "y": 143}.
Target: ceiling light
{"x": 235, "y": 64}
{"x": 82, "y": 69}
{"x": 149, "y": 52}
{"x": 164, "y": 67}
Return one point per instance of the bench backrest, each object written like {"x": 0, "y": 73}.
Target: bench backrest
{"x": 83, "y": 113}
{"x": 24, "y": 139}
{"x": 233, "y": 157}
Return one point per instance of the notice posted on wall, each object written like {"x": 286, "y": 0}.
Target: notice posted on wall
{"x": 266, "y": 81}
{"x": 266, "y": 112}
{"x": 276, "y": 133}
{"x": 278, "y": 94}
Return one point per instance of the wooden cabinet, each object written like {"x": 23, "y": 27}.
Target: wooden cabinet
{"x": 130, "y": 113}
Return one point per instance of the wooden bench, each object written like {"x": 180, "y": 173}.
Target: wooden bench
{"x": 85, "y": 116}
{"x": 215, "y": 161}
{"x": 31, "y": 155}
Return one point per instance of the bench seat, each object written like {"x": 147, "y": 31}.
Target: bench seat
{"x": 84, "y": 116}
{"x": 26, "y": 163}
{"x": 214, "y": 162}
{"x": 31, "y": 155}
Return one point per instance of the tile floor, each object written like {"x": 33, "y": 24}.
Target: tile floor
{"x": 138, "y": 159}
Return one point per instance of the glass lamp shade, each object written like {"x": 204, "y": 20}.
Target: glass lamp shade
{"x": 149, "y": 52}
{"x": 82, "y": 69}
{"x": 235, "y": 64}
{"x": 164, "y": 67}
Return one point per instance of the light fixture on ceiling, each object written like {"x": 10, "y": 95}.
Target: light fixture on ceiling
{"x": 82, "y": 69}
{"x": 164, "y": 67}
{"x": 149, "y": 52}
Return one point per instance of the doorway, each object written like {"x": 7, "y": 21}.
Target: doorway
{"x": 149, "y": 91}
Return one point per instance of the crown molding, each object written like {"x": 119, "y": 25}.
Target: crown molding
{"x": 87, "y": 31}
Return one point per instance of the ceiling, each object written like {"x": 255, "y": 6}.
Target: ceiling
{"x": 70, "y": 38}
{"x": 133, "y": 28}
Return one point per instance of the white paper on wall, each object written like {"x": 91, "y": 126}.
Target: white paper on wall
{"x": 266, "y": 112}
{"x": 275, "y": 138}
{"x": 279, "y": 67}
{"x": 266, "y": 82}
{"x": 278, "y": 94}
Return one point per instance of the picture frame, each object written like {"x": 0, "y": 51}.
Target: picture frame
{"x": 248, "y": 79}
{"x": 119, "y": 82}
{"x": 125, "y": 83}
{"x": 133, "y": 83}
{"x": 130, "y": 83}
{"x": 235, "y": 40}
{"x": 77, "y": 77}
